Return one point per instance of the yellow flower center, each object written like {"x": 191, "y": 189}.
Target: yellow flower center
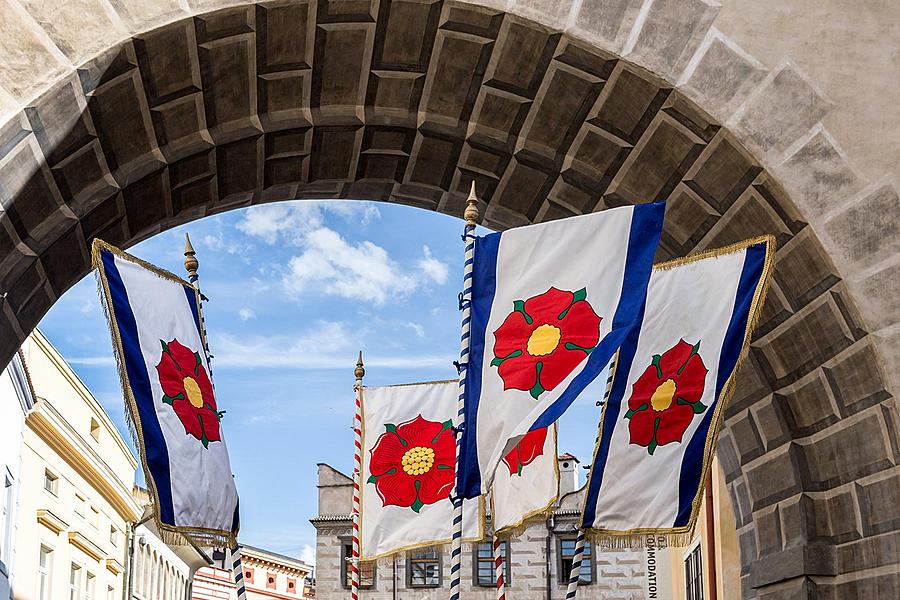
{"x": 663, "y": 396}
{"x": 418, "y": 460}
{"x": 544, "y": 340}
{"x": 192, "y": 389}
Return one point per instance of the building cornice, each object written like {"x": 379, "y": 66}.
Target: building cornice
{"x": 49, "y": 425}
{"x": 80, "y": 541}
{"x": 47, "y": 348}
{"x": 51, "y": 521}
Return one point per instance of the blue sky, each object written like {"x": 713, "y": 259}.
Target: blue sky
{"x": 296, "y": 289}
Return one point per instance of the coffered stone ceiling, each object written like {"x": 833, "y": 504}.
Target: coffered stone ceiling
{"x": 129, "y": 117}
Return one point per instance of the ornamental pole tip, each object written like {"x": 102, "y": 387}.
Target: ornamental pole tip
{"x": 191, "y": 264}
{"x": 471, "y": 213}
{"x": 359, "y": 372}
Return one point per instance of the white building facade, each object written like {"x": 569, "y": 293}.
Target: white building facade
{"x": 76, "y": 501}
{"x": 16, "y": 399}
{"x": 537, "y": 569}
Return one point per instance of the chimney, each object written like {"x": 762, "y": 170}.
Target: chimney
{"x": 568, "y": 473}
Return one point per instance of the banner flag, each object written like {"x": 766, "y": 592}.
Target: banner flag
{"x": 551, "y": 303}
{"x": 673, "y": 379}
{"x": 159, "y": 345}
{"x": 408, "y": 470}
{"x": 526, "y": 484}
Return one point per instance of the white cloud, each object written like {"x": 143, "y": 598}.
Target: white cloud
{"x": 362, "y": 271}
{"x": 289, "y": 221}
{"x": 417, "y": 329}
{"x": 246, "y": 314}
{"x": 326, "y": 345}
{"x": 432, "y": 267}
{"x": 308, "y": 555}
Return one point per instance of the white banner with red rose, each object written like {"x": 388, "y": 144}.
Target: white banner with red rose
{"x": 526, "y": 484}
{"x": 155, "y": 325}
{"x": 673, "y": 379}
{"x": 551, "y": 303}
{"x": 408, "y": 469}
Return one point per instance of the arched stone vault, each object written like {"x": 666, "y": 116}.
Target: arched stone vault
{"x": 174, "y": 112}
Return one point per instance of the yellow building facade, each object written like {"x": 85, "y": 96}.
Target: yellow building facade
{"x": 709, "y": 568}
{"x": 76, "y": 499}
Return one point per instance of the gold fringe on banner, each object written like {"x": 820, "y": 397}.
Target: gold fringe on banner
{"x": 171, "y": 534}
{"x": 681, "y": 536}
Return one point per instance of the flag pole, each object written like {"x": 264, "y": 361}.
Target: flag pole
{"x": 499, "y": 567}
{"x": 471, "y": 217}
{"x": 578, "y": 557}
{"x": 192, "y": 265}
{"x": 359, "y": 373}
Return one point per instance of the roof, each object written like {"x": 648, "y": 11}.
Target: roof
{"x": 567, "y": 456}
{"x": 287, "y": 561}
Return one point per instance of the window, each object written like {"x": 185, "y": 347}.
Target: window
{"x": 75, "y": 589}
{"x": 423, "y": 568}
{"x": 292, "y": 586}
{"x": 270, "y": 581}
{"x": 95, "y": 430}
{"x": 51, "y": 482}
{"x": 485, "y": 573}
{"x": 248, "y": 575}
{"x": 566, "y": 551}
{"x": 693, "y": 574}
{"x": 44, "y": 573}
{"x": 94, "y": 518}
{"x": 79, "y": 505}
{"x": 110, "y": 593}
{"x": 7, "y": 499}
{"x": 90, "y": 585}
{"x": 113, "y": 536}
{"x": 366, "y": 570}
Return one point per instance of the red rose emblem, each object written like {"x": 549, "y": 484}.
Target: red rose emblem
{"x": 412, "y": 464}
{"x": 188, "y": 390}
{"x": 544, "y": 339}
{"x": 665, "y": 398}
{"x": 529, "y": 448}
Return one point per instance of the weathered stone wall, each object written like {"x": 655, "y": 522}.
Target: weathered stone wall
{"x": 118, "y": 129}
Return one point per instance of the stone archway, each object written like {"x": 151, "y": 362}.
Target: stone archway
{"x": 407, "y": 101}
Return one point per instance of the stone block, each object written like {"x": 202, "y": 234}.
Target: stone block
{"x": 855, "y": 377}
{"x": 877, "y": 294}
{"x": 871, "y": 552}
{"x": 30, "y": 59}
{"x": 786, "y": 106}
{"x": 803, "y": 268}
{"x": 868, "y": 231}
{"x": 552, "y": 14}
{"x": 670, "y": 33}
{"x": 836, "y": 517}
{"x": 800, "y": 561}
{"x": 746, "y": 437}
{"x": 138, "y": 15}
{"x": 852, "y": 448}
{"x": 80, "y": 28}
{"x": 808, "y": 405}
{"x": 797, "y": 521}
{"x": 721, "y": 75}
{"x": 773, "y": 477}
{"x": 794, "y": 348}
{"x": 879, "y": 585}
{"x": 770, "y": 423}
{"x": 879, "y": 499}
{"x": 608, "y": 22}
{"x": 768, "y": 530}
{"x": 818, "y": 176}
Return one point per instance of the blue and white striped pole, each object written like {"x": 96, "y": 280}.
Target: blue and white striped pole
{"x": 575, "y": 572}
{"x": 191, "y": 265}
{"x": 578, "y": 558}
{"x": 471, "y": 217}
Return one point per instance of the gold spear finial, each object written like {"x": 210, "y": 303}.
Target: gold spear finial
{"x": 471, "y": 213}
{"x": 360, "y": 371}
{"x": 191, "y": 264}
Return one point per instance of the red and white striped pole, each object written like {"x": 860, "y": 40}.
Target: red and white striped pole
{"x": 359, "y": 372}
{"x": 499, "y": 568}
